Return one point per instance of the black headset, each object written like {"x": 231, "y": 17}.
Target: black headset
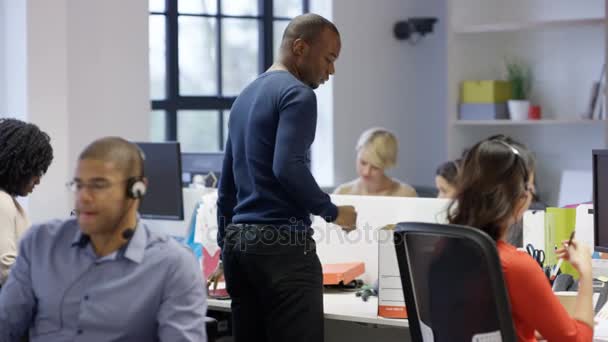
{"x": 518, "y": 157}
{"x": 136, "y": 187}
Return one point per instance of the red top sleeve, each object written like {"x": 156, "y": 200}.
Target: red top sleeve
{"x": 533, "y": 304}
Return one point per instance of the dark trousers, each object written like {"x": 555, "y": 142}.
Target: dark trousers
{"x": 275, "y": 281}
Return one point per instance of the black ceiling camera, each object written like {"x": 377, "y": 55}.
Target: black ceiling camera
{"x": 412, "y": 27}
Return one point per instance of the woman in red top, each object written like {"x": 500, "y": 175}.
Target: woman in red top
{"x": 495, "y": 187}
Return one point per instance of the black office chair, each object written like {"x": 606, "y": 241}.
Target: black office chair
{"x": 452, "y": 283}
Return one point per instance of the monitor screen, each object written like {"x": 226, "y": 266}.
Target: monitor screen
{"x": 162, "y": 167}
{"x": 600, "y": 200}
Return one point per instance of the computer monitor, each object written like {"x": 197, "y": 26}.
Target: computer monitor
{"x": 162, "y": 167}
{"x": 205, "y": 165}
{"x": 600, "y": 200}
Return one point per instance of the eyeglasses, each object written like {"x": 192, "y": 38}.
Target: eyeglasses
{"x": 95, "y": 187}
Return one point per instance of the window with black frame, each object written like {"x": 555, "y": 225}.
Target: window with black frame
{"x": 202, "y": 53}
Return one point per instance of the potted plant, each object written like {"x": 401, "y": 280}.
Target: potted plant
{"x": 520, "y": 76}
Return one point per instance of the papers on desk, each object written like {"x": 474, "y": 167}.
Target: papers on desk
{"x": 584, "y": 224}
{"x": 534, "y": 228}
{"x": 600, "y": 333}
{"x": 599, "y": 268}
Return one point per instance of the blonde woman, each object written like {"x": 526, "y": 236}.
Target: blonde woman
{"x": 377, "y": 150}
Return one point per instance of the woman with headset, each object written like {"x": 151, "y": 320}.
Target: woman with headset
{"x": 495, "y": 187}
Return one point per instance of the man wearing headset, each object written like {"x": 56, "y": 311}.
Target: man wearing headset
{"x": 103, "y": 276}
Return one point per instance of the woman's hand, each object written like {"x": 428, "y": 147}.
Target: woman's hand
{"x": 578, "y": 254}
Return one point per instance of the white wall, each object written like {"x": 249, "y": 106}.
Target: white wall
{"x": 85, "y": 75}
{"x": 323, "y": 158}
{"x": 107, "y": 70}
{"x": 381, "y": 81}
{"x": 565, "y": 60}
{"x": 46, "y": 99}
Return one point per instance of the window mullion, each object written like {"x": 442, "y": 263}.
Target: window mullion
{"x": 266, "y": 34}
{"x": 174, "y": 102}
{"x": 221, "y": 130}
{"x": 219, "y": 49}
{"x": 172, "y": 70}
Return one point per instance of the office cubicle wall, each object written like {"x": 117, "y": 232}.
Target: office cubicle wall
{"x": 374, "y": 212}
{"x": 333, "y": 244}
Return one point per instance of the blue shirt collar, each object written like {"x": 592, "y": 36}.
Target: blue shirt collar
{"x": 135, "y": 248}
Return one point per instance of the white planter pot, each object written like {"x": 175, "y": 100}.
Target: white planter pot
{"x": 518, "y": 109}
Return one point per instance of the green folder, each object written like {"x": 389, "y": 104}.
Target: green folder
{"x": 559, "y": 224}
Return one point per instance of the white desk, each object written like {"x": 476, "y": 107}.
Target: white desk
{"x": 344, "y": 306}
{"x": 340, "y": 306}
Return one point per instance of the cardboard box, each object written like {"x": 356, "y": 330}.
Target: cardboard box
{"x": 483, "y": 111}
{"x": 568, "y": 300}
{"x": 485, "y": 91}
{"x": 391, "y": 303}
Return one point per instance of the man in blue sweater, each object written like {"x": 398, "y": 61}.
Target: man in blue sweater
{"x": 267, "y": 193}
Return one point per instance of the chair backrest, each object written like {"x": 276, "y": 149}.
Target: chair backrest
{"x": 453, "y": 284}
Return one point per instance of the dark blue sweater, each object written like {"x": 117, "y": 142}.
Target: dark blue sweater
{"x": 266, "y": 175}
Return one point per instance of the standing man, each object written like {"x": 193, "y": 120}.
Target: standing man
{"x": 267, "y": 193}
{"x": 103, "y": 276}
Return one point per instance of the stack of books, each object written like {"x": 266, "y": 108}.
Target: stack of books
{"x": 597, "y": 101}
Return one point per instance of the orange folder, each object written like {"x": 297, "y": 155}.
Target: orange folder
{"x": 334, "y": 274}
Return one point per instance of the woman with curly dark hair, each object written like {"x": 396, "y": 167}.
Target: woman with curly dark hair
{"x": 25, "y": 155}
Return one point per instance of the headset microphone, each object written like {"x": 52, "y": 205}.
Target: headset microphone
{"x": 128, "y": 233}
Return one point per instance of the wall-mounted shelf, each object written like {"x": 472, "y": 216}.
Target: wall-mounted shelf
{"x": 564, "y": 42}
{"x": 529, "y": 25}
